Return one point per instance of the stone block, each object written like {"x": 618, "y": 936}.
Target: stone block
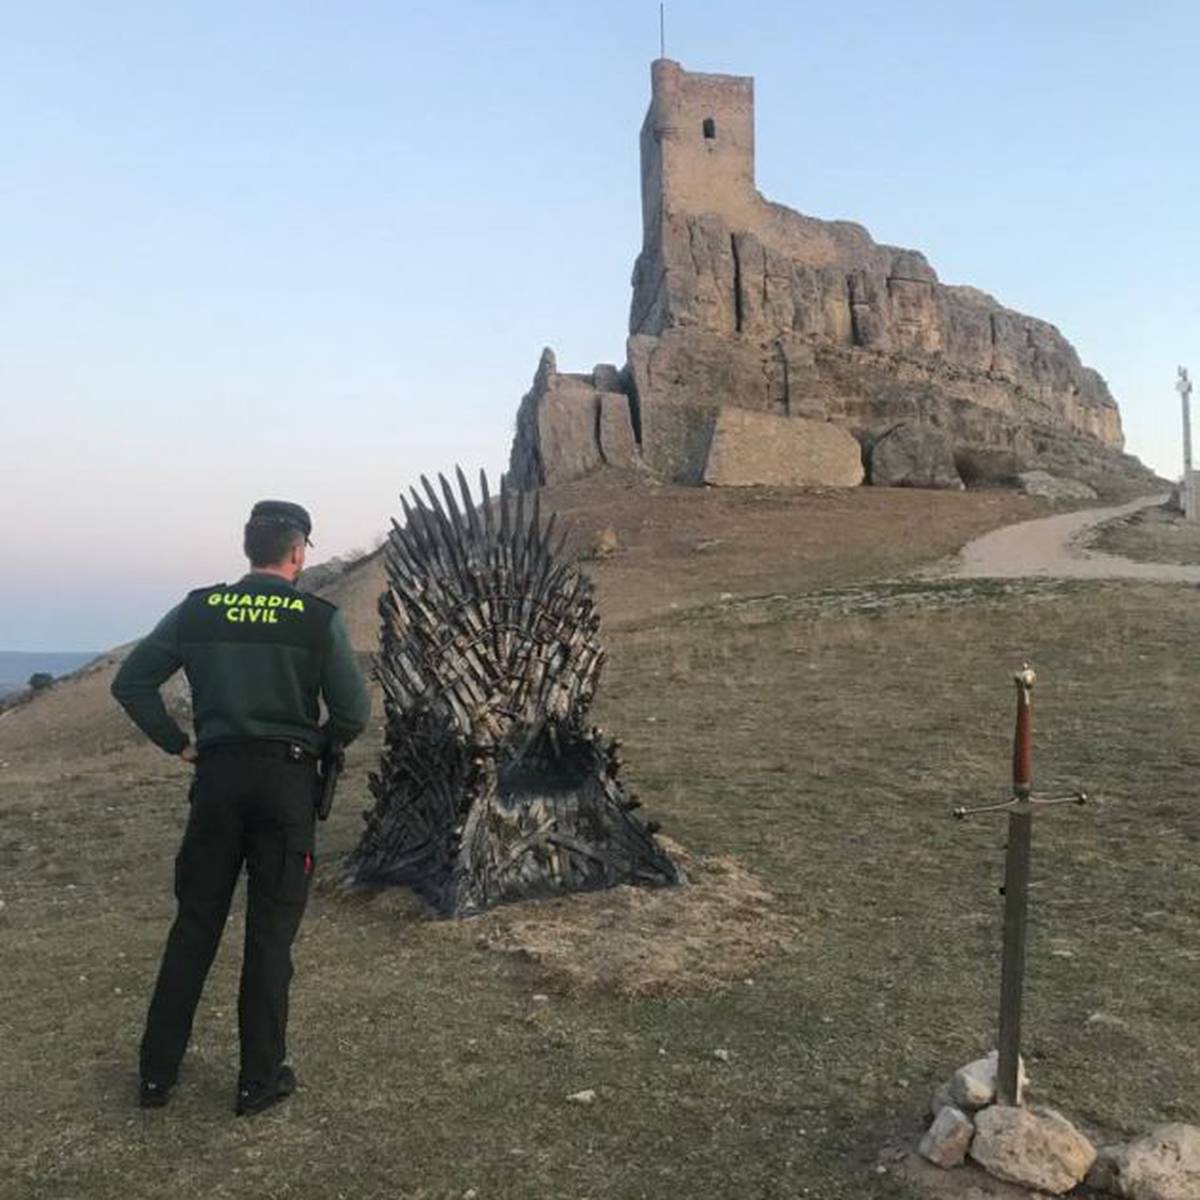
{"x": 606, "y": 378}
{"x": 566, "y": 430}
{"x": 913, "y": 454}
{"x": 754, "y": 448}
{"x": 618, "y": 447}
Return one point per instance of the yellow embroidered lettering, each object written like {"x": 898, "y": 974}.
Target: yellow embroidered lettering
{"x": 214, "y": 598}
{"x": 233, "y": 614}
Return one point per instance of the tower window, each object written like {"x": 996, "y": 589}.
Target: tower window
{"x": 710, "y": 128}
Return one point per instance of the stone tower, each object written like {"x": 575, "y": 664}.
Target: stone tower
{"x": 697, "y": 148}
{"x": 697, "y": 145}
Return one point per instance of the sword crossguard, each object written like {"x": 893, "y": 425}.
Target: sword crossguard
{"x": 1004, "y": 806}
{"x": 1017, "y": 803}
{"x": 1069, "y": 798}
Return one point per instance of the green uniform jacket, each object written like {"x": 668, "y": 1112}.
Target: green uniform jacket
{"x": 259, "y": 656}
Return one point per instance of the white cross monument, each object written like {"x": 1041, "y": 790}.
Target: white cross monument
{"x": 1183, "y": 385}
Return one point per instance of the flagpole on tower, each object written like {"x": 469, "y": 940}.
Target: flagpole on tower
{"x": 662, "y": 30}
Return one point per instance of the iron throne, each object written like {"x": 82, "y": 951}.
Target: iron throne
{"x": 491, "y": 785}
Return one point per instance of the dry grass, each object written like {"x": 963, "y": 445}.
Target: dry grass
{"x": 816, "y": 743}
{"x": 681, "y": 547}
{"x": 1152, "y": 535}
{"x": 640, "y": 942}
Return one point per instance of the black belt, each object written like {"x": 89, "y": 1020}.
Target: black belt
{"x": 261, "y": 748}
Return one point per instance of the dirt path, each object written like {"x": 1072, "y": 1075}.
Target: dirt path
{"x": 1053, "y": 547}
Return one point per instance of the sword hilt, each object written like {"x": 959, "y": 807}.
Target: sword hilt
{"x": 1018, "y": 803}
{"x": 1025, "y": 678}
{"x": 1004, "y": 806}
{"x": 1070, "y": 798}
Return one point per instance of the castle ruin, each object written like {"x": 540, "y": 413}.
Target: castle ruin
{"x": 767, "y": 347}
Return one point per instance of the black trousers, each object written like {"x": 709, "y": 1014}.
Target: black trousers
{"x": 247, "y": 806}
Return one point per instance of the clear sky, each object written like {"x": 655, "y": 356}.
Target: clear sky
{"x": 311, "y": 250}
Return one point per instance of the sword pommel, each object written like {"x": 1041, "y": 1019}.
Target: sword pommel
{"x": 1023, "y": 738}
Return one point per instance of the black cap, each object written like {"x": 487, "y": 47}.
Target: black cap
{"x": 282, "y": 512}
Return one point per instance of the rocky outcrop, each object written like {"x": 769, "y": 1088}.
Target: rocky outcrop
{"x": 834, "y": 322}
{"x": 569, "y": 425}
{"x": 1053, "y": 487}
{"x": 742, "y": 303}
{"x": 865, "y": 336}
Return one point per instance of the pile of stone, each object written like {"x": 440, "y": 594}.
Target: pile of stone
{"x": 1038, "y": 1148}
{"x": 1034, "y": 1147}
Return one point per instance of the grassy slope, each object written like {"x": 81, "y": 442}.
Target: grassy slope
{"x": 820, "y": 742}
{"x": 1152, "y": 535}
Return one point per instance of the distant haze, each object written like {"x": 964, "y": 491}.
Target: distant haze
{"x": 16, "y": 666}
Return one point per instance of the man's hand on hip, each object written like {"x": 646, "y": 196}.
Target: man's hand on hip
{"x": 188, "y": 754}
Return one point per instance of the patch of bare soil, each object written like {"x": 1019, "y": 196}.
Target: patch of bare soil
{"x": 1158, "y": 534}
{"x": 967, "y": 1182}
{"x": 711, "y": 932}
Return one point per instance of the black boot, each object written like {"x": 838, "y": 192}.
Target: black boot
{"x": 252, "y": 1098}
{"x": 153, "y": 1095}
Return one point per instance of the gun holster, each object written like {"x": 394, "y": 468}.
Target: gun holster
{"x": 331, "y": 764}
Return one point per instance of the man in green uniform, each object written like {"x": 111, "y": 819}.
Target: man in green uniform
{"x": 259, "y": 656}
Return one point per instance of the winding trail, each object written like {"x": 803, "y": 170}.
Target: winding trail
{"x": 1052, "y": 547}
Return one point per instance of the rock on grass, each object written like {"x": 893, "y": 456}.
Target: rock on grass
{"x": 1163, "y": 1165}
{"x": 1035, "y": 1147}
{"x": 946, "y": 1141}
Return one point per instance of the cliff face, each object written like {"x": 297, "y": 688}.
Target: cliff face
{"x": 832, "y": 319}
{"x": 845, "y": 330}
{"x": 741, "y": 302}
